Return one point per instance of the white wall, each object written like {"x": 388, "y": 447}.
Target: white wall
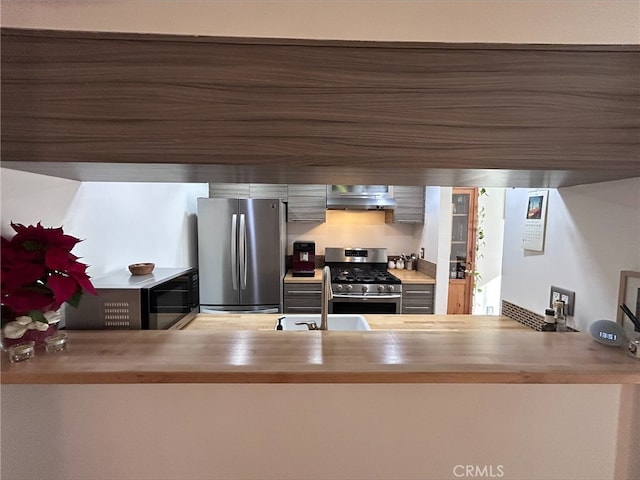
{"x": 436, "y": 240}
{"x": 593, "y": 232}
{"x": 430, "y": 240}
{"x": 120, "y": 223}
{"x": 28, "y": 198}
{"x": 508, "y": 21}
{"x": 124, "y": 223}
{"x": 322, "y": 431}
{"x": 356, "y": 229}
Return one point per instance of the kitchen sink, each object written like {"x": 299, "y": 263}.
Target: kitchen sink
{"x": 335, "y": 322}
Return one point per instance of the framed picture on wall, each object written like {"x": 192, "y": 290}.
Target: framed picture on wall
{"x": 628, "y": 295}
{"x": 535, "y": 221}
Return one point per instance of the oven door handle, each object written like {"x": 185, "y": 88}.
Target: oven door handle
{"x": 366, "y": 297}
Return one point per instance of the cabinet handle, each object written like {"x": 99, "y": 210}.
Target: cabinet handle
{"x": 417, "y": 308}
{"x": 303, "y": 292}
{"x": 315, "y": 309}
{"x": 418, "y": 292}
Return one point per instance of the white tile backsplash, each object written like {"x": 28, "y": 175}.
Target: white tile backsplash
{"x": 357, "y": 229}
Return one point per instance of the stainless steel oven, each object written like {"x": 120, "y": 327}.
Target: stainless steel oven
{"x": 366, "y": 304}
{"x": 361, "y": 283}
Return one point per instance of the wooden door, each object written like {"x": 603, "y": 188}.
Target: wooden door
{"x": 464, "y": 217}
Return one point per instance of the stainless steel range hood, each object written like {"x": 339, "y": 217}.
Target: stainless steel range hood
{"x": 360, "y": 197}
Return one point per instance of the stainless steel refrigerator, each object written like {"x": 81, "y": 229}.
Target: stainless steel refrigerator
{"x": 241, "y": 255}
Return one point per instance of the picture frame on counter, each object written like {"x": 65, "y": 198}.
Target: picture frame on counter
{"x": 629, "y": 295}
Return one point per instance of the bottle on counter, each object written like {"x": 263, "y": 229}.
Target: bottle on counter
{"x": 549, "y": 320}
{"x": 561, "y": 319}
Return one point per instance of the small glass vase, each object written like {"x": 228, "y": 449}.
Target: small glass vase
{"x": 36, "y": 336}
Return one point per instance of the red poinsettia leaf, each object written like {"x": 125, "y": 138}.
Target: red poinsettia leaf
{"x": 77, "y": 272}
{"x": 85, "y": 282}
{"x": 32, "y": 233}
{"x": 36, "y": 236}
{"x": 24, "y": 300}
{"x": 57, "y": 258}
{"x": 66, "y": 241}
{"x": 21, "y": 275}
{"x": 77, "y": 268}
{"x": 62, "y": 287}
{"x": 52, "y": 235}
{"x": 23, "y": 256}
{"x": 19, "y": 228}
{"x": 5, "y": 244}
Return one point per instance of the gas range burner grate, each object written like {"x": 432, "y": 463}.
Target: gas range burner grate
{"x": 362, "y": 275}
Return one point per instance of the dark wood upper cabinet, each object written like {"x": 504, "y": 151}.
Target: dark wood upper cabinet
{"x": 293, "y": 111}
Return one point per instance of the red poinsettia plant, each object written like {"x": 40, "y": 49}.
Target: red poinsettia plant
{"x": 39, "y": 275}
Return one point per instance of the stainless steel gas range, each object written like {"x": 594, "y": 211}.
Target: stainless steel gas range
{"x": 360, "y": 281}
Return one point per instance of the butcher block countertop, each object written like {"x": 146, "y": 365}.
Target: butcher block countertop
{"x": 413, "y": 276}
{"x": 434, "y": 355}
{"x": 407, "y": 276}
{"x": 317, "y": 277}
{"x": 448, "y": 323}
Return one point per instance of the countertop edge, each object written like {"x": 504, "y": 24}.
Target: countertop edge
{"x": 247, "y": 377}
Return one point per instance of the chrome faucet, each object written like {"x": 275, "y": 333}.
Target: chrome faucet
{"x": 327, "y": 295}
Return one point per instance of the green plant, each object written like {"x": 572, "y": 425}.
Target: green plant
{"x": 480, "y": 241}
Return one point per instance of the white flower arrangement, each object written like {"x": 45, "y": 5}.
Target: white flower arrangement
{"x": 18, "y": 327}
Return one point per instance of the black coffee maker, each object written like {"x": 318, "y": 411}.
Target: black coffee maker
{"x": 303, "y": 263}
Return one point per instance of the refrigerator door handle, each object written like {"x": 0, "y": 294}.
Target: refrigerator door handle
{"x": 234, "y": 251}
{"x": 243, "y": 252}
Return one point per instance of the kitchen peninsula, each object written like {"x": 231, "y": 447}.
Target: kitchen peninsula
{"x": 223, "y": 403}
{"x": 247, "y": 349}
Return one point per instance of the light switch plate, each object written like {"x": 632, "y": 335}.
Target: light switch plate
{"x": 567, "y": 296}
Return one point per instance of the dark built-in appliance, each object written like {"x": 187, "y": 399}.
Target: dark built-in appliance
{"x": 360, "y": 281}
{"x": 303, "y": 262}
{"x": 163, "y": 299}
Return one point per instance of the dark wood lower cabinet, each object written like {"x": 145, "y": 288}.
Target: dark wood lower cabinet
{"x": 306, "y": 298}
{"x": 417, "y": 298}
{"x": 302, "y": 297}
